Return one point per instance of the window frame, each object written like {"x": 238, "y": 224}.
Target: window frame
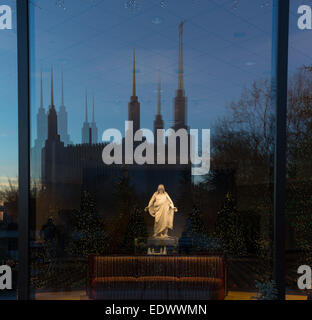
{"x": 280, "y": 35}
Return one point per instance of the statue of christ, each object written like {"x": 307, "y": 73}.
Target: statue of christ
{"x": 162, "y": 209}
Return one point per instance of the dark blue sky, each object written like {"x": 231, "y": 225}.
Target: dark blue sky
{"x": 227, "y": 45}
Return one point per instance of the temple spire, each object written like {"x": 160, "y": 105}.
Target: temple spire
{"x": 181, "y": 71}
{"x": 180, "y": 101}
{"x": 159, "y": 96}
{"x": 62, "y": 89}
{"x": 86, "y": 110}
{"x": 93, "y": 111}
{"x": 134, "y": 104}
{"x": 52, "y": 89}
{"x": 134, "y": 79}
{"x": 158, "y": 122}
{"x": 41, "y": 91}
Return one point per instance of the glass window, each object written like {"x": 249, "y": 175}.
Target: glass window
{"x": 125, "y": 66}
{"x": 9, "y": 150}
{"x": 298, "y": 232}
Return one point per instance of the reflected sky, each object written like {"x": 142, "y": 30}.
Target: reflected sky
{"x": 227, "y": 45}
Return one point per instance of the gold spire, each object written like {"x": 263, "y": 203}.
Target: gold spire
{"x": 86, "y": 105}
{"x": 180, "y": 81}
{"x": 159, "y": 96}
{"x": 52, "y": 90}
{"x": 41, "y": 90}
{"x": 134, "y": 79}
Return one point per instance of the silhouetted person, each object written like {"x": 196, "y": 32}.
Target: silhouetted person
{"x": 48, "y": 233}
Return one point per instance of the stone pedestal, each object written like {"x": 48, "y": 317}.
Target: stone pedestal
{"x": 159, "y": 245}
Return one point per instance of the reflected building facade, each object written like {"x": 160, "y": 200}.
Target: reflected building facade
{"x": 42, "y": 133}
{"x": 67, "y": 169}
{"x": 62, "y": 119}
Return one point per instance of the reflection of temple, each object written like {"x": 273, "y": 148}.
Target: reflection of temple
{"x": 89, "y": 131}
{"x": 42, "y": 131}
{"x": 67, "y": 169}
{"x": 62, "y": 122}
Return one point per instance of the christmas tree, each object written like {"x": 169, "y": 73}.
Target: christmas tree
{"x": 125, "y": 203}
{"x": 89, "y": 236}
{"x": 196, "y": 223}
{"x": 195, "y": 237}
{"x": 124, "y": 194}
{"x": 229, "y": 228}
{"x": 136, "y": 228}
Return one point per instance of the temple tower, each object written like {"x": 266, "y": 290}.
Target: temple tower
{"x": 158, "y": 122}
{"x": 63, "y": 120}
{"x": 180, "y": 99}
{"x": 94, "y": 129}
{"x": 85, "y": 132}
{"x": 134, "y": 105}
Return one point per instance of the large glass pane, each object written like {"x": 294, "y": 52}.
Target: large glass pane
{"x": 8, "y": 147}
{"x": 177, "y": 64}
{"x": 299, "y": 188}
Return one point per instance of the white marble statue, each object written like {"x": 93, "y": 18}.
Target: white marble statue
{"x": 162, "y": 209}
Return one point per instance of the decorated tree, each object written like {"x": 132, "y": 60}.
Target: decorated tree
{"x": 229, "y": 228}
{"x": 196, "y": 222}
{"x": 125, "y": 204}
{"x": 89, "y": 236}
{"x": 136, "y": 230}
{"x": 195, "y": 237}
{"x": 124, "y": 194}
{"x": 299, "y": 205}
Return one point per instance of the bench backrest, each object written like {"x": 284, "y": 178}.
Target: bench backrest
{"x": 175, "y": 266}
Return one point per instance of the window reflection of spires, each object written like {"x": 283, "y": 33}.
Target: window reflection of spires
{"x": 41, "y": 91}
{"x": 86, "y": 107}
{"x": 180, "y": 101}
{"x": 158, "y": 122}
{"x": 42, "y": 120}
{"x": 134, "y": 104}
{"x": 159, "y": 96}
{"x": 94, "y": 129}
{"x": 52, "y": 89}
{"x": 181, "y": 68}
{"x": 93, "y": 111}
{"x": 52, "y": 116}
{"x": 62, "y": 89}
{"x": 133, "y": 76}
{"x": 63, "y": 117}
{"x": 85, "y": 131}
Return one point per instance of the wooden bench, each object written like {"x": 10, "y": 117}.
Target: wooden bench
{"x": 156, "y": 277}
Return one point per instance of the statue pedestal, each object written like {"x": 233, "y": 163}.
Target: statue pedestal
{"x": 159, "y": 245}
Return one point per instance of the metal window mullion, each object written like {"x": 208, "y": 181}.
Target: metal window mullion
{"x": 279, "y": 95}
{"x": 22, "y": 12}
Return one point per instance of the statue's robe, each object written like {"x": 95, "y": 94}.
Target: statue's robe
{"x": 161, "y": 208}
